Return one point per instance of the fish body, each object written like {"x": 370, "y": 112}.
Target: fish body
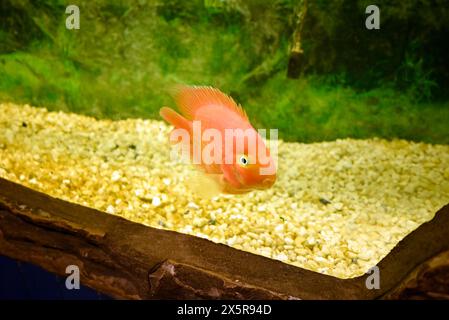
{"x": 221, "y": 139}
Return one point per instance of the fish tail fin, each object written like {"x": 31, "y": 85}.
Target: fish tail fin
{"x": 175, "y": 119}
{"x": 179, "y": 122}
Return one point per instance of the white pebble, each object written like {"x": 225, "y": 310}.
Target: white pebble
{"x": 156, "y": 201}
{"x": 279, "y": 228}
{"x": 115, "y": 176}
{"x": 192, "y": 205}
{"x": 281, "y": 257}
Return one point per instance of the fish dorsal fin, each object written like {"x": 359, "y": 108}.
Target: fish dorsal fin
{"x": 190, "y": 99}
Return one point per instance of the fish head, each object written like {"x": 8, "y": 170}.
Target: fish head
{"x": 254, "y": 167}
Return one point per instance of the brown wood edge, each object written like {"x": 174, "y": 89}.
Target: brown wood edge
{"x": 128, "y": 260}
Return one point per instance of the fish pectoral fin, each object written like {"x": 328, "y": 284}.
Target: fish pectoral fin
{"x": 205, "y": 185}
{"x": 229, "y": 176}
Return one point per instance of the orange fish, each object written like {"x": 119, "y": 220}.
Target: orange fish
{"x": 221, "y": 139}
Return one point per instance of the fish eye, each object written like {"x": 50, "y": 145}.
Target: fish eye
{"x": 243, "y": 160}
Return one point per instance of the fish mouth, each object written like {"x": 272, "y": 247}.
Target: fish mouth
{"x": 264, "y": 185}
{"x": 267, "y": 183}
{"x": 233, "y": 190}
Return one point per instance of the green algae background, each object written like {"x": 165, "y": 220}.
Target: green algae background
{"x": 358, "y": 83}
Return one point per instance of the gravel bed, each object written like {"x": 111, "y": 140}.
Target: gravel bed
{"x": 337, "y": 208}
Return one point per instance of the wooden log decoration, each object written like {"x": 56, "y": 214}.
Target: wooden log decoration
{"x": 296, "y": 59}
{"x": 131, "y": 261}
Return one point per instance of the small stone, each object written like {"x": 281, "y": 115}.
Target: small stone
{"x": 366, "y": 254}
{"x": 231, "y": 241}
{"x": 310, "y": 241}
{"x": 281, "y": 257}
{"x": 156, "y": 201}
{"x": 115, "y": 176}
{"x": 325, "y": 201}
{"x": 446, "y": 173}
{"x": 279, "y": 228}
{"x": 192, "y": 205}
{"x": 338, "y": 206}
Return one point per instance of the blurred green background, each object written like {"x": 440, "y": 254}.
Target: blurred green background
{"x": 390, "y": 83}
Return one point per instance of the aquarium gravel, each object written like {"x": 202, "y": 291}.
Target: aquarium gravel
{"x": 337, "y": 208}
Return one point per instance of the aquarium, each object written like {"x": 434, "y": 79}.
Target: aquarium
{"x": 353, "y": 97}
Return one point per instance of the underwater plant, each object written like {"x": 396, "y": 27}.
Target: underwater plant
{"x": 415, "y": 79}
